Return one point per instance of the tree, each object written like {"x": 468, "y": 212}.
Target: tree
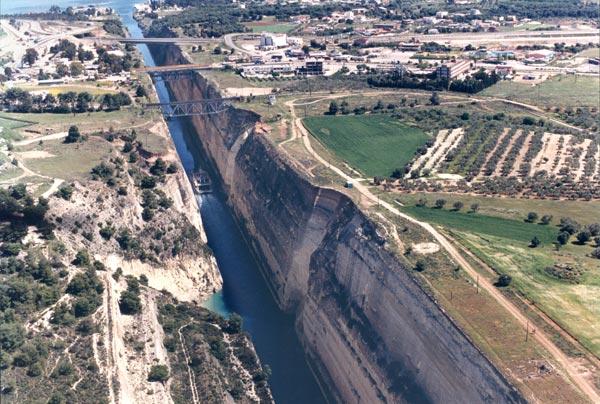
{"x": 503, "y": 281}
{"x": 596, "y": 253}
{"x": 474, "y": 207}
{"x": 76, "y": 69}
{"x": 333, "y": 108}
{"x": 440, "y": 203}
{"x": 73, "y": 135}
{"x": 158, "y": 373}
{"x": 30, "y": 56}
{"x": 531, "y": 217}
{"x": 535, "y": 241}
{"x": 569, "y": 225}
{"x": 594, "y": 229}
{"x": 140, "y": 91}
{"x": 457, "y": 205}
{"x": 422, "y": 202}
{"x": 583, "y": 237}
{"x": 130, "y": 303}
{"x": 61, "y": 70}
{"x": 563, "y": 237}
{"x": 435, "y": 98}
{"x": 546, "y": 219}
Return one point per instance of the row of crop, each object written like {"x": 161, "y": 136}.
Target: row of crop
{"x": 535, "y": 146}
{"x": 509, "y": 160}
{"x": 492, "y": 162}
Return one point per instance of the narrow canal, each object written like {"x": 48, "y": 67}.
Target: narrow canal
{"x": 245, "y": 291}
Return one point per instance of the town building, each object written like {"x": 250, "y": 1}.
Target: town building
{"x": 451, "y": 71}
{"x": 311, "y": 68}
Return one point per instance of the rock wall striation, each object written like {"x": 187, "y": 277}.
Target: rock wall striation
{"x": 373, "y": 334}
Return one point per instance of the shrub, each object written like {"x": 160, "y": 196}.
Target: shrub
{"x": 503, "y": 281}
{"x": 130, "y": 303}
{"x": 73, "y": 135}
{"x": 65, "y": 192}
{"x": 535, "y": 241}
{"x": 583, "y": 237}
{"x": 82, "y": 258}
{"x": 457, "y": 205}
{"x": 420, "y": 266}
{"x": 563, "y": 237}
{"x": 440, "y": 203}
{"x": 531, "y": 217}
{"x": 158, "y": 373}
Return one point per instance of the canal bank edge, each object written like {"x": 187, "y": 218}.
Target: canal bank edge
{"x": 327, "y": 264}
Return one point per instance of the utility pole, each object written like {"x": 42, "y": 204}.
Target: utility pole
{"x": 527, "y": 331}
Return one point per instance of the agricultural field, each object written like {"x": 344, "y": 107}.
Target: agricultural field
{"x": 9, "y": 129}
{"x": 373, "y": 144}
{"x": 584, "y": 212}
{"x": 556, "y": 91}
{"x": 514, "y": 230}
{"x": 513, "y": 158}
{"x": 270, "y": 24}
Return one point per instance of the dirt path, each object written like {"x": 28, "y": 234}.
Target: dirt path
{"x": 584, "y": 384}
{"x": 52, "y": 136}
{"x": 193, "y": 387}
{"x": 55, "y": 185}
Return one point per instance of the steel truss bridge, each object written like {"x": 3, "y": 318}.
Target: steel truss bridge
{"x": 190, "y": 108}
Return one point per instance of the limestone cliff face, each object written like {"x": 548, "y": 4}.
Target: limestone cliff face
{"x": 372, "y": 332}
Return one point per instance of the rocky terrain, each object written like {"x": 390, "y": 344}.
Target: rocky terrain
{"x": 93, "y": 279}
{"x": 372, "y": 331}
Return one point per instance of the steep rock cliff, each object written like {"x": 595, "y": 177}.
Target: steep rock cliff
{"x": 372, "y": 332}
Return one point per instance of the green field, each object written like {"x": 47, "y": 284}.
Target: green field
{"x": 270, "y": 24}
{"x": 8, "y": 128}
{"x": 518, "y": 231}
{"x": 576, "y": 307}
{"x": 584, "y": 212}
{"x": 373, "y": 144}
{"x": 556, "y": 91}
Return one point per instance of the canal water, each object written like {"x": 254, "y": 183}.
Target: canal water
{"x": 244, "y": 290}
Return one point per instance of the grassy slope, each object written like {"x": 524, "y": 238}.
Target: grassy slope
{"x": 517, "y": 209}
{"x": 517, "y": 231}
{"x": 373, "y": 144}
{"x": 556, "y": 91}
{"x": 503, "y": 244}
{"x": 574, "y": 306}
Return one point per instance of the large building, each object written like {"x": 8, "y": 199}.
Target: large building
{"x": 311, "y": 68}
{"x": 450, "y": 71}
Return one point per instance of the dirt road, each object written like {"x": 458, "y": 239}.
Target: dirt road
{"x": 584, "y": 384}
